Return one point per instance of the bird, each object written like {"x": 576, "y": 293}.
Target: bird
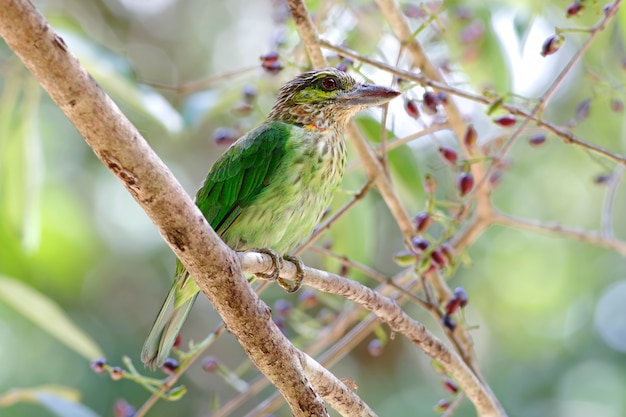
{"x": 271, "y": 187}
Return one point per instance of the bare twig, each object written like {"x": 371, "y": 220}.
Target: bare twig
{"x": 556, "y": 229}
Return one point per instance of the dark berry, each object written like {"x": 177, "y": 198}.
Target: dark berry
{"x": 447, "y": 251}
{"x": 452, "y": 305}
{"x": 430, "y": 102}
{"x": 375, "y": 347}
{"x": 170, "y": 366}
{"x": 269, "y": 57}
{"x": 98, "y": 365}
{"x": 420, "y": 243}
{"x": 537, "y": 140}
{"x": 422, "y": 221}
{"x": 224, "y": 135}
{"x": 505, "y": 121}
{"x": 273, "y": 67}
{"x": 448, "y": 322}
{"x": 450, "y": 386}
{"x": 461, "y": 294}
{"x": 470, "y": 138}
{"x": 602, "y": 179}
{"x": 574, "y": 9}
{"x": 448, "y": 154}
{"x": 210, "y": 364}
{"x": 552, "y": 44}
{"x": 411, "y": 108}
{"x": 442, "y": 406}
{"x": 177, "y": 341}
{"x": 438, "y": 258}
{"x": 465, "y": 183}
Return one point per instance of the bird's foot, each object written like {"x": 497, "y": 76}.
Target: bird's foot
{"x": 276, "y": 260}
{"x": 297, "y": 283}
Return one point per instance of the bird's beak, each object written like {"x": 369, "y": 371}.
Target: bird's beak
{"x": 368, "y": 95}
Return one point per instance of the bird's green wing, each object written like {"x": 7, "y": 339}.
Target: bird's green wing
{"x": 241, "y": 173}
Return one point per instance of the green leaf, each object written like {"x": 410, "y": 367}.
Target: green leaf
{"x": 48, "y": 316}
{"x": 62, "y": 401}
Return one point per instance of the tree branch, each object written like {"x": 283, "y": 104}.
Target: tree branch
{"x": 388, "y": 310}
{"x": 122, "y": 149}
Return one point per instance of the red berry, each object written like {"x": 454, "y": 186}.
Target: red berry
{"x": 574, "y": 9}
{"x": 375, "y": 347}
{"x": 447, "y": 251}
{"x": 459, "y": 293}
{"x": 537, "y": 140}
{"x": 210, "y": 364}
{"x": 411, "y": 108}
{"x": 422, "y": 221}
{"x": 470, "y": 138}
{"x": 442, "y": 406}
{"x": 552, "y": 44}
{"x": 465, "y": 183}
{"x": 452, "y": 306}
{"x": 617, "y": 105}
{"x": 98, "y": 365}
{"x": 430, "y": 102}
{"x": 273, "y": 67}
{"x": 170, "y": 366}
{"x": 269, "y": 57}
{"x": 437, "y": 257}
{"x": 450, "y": 386}
{"x": 448, "y": 322}
{"x": 420, "y": 243}
{"x": 505, "y": 121}
{"x": 177, "y": 341}
{"x": 448, "y": 154}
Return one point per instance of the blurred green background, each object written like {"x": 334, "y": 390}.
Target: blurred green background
{"x": 548, "y": 313}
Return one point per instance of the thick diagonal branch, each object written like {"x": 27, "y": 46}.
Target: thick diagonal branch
{"x": 122, "y": 149}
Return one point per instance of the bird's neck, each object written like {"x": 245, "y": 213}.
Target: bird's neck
{"x": 310, "y": 117}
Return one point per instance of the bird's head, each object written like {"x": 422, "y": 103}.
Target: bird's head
{"x": 326, "y": 98}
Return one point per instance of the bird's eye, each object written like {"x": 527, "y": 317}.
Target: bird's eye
{"x": 329, "y": 84}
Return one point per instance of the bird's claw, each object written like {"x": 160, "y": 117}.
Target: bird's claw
{"x": 276, "y": 260}
{"x": 297, "y": 283}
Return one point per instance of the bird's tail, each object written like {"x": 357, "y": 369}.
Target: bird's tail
{"x": 165, "y": 329}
